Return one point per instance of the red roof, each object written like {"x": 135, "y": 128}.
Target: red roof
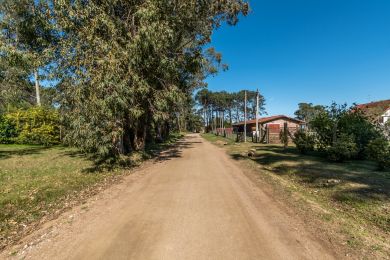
{"x": 383, "y": 104}
{"x": 264, "y": 120}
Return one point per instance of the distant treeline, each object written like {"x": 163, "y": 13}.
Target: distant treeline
{"x": 228, "y": 107}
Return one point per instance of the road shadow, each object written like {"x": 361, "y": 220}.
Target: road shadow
{"x": 176, "y": 150}
{"x": 159, "y": 152}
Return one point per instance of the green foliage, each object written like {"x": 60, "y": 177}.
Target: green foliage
{"x": 7, "y": 130}
{"x": 304, "y": 141}
{"x": 124, "y": 70}
{"x": 36, "y": 125}
{"x": 336, "y": 122}
{"x": 27, "y": 37}
{"x": 379, "y": 151}
{"x": 356, "y": 124}
{"x": 308, "y": 111}
{"x": 44, "y": 135}
{"x": 343, "y": 149}
{"x": 325, "y": 125}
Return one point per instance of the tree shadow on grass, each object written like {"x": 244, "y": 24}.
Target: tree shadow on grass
{"x": 10, "y": 152}
{"x": 364, "y": 182}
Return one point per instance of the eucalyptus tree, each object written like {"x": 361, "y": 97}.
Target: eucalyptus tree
{"x": 128, "y": 67}
{"x": 202, "y": 99}
{"x": 15, "y": 90}
{"x": 26, "y": 31}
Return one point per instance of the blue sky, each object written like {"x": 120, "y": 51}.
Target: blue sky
{"x": 315, "y": 51}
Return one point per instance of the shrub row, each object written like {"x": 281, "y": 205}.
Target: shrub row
{"x": 344, "y": 133}
{"x": 36, "y": 125}
{"x": 345, "y": 148}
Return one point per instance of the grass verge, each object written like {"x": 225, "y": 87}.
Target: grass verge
{"x": 37, "y": 183}
{"x": 352, "y": 197}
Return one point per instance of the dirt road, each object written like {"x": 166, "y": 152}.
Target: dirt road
{"x": 195, "y": 203}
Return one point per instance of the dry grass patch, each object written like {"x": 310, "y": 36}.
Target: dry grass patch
{"x": 354, "y": 193}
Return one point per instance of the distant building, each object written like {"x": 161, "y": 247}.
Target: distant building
{"x": 377, "y": 112}
{"x": 270, "y": 127}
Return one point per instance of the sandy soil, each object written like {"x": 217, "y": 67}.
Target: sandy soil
{"x": 193, "y": 203}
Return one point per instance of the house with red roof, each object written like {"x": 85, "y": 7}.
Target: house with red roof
{"x": 270, "y": 127}
{"x": 378, "y": 112}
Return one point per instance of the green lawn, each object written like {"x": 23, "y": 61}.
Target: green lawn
{"x": 353, "y": 193}
{"x": 37, "y": 181}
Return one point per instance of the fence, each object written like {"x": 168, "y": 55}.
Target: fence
{"x": 270, "y": 134}
{"x": 225, "y": 132}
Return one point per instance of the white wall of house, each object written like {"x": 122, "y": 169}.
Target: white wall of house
{"x": 386, "y": 116}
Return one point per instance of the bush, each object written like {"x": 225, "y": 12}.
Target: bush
{"x": 304, "y": 141}
{"x": 35, "y": 125}
{"x": 343, "y": 149}
{"x": 341, "y": 121}
{"x": 379, "y": 151}
{"x": 43, "y": 135}
{"x": 363, "y": 131}
{"x": 7, "y": 130}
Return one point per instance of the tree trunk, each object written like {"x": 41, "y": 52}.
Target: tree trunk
{"x": 37, "y": 90}
{"x": 126, "y": 139}
{"x": 138, "y": 135}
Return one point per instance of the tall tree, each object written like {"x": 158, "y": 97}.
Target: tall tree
{"x": 308, "y": 111}
{"x": 128, "y": 67}
{"x": 27, "y": 31}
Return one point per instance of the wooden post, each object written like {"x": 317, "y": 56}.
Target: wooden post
{"x": 245, "y": 118}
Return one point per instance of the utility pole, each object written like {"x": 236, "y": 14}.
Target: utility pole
{"x": 245, "y": 118}
{"x": 257, "y": 115}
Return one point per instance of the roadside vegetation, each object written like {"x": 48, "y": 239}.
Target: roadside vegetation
{"x": 354, "y": 196}
{"x": 342, "y": 133}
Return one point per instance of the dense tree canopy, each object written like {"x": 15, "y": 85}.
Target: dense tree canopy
{"x": 124, "y": 70}
{"x": 308, "y": 111}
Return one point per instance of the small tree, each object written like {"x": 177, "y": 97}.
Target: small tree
{"x": 283, "y": 136}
